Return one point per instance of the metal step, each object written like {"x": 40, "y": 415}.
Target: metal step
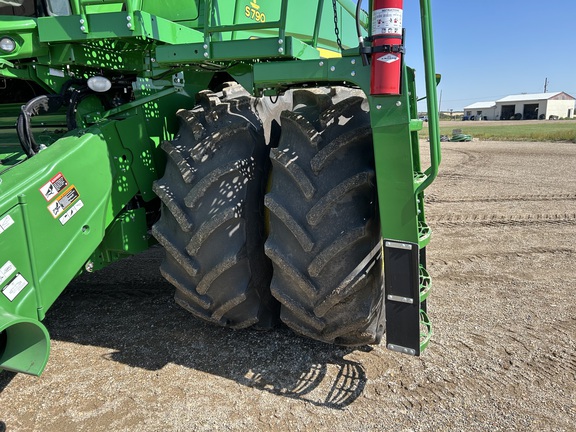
{"x": 419, "y": 178}
{"x": 424, "y": 234}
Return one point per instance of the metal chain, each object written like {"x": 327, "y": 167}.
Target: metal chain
{"x": 336, "y": 30}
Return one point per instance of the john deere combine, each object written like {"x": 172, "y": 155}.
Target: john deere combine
{"x": 271, "y": 147}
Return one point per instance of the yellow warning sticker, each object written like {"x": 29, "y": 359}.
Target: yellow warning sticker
{"x": 63, "y": 202}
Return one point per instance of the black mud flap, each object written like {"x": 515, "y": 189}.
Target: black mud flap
{"x": 404, "y": 308}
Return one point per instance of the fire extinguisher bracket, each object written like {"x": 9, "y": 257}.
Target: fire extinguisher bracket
{"x": 383, "y": 48}
{"x": 383, "y": 36}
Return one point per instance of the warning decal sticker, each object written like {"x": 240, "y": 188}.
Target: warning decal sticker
{"x": 53, "y": 187}
{"x": 5, "y": 271}
{"x": 71, "y": 212}
{"x": 5, "y": 223}
{"x": 15, "y": 287}
{"x": 63, "y": 202}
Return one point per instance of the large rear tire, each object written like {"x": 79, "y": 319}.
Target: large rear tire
{"x": 324, "y": 240}
{"x": 212, "y": 222}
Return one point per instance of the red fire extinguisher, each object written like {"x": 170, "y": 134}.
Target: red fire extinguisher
{"x": 387, "y": 48}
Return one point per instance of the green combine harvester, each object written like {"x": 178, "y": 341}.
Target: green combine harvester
{"x": 271, "y": 147}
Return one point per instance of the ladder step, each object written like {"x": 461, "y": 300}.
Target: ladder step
{"x": 425, "y": 284}
{"x": 424, "y": 234}
{"x": 419, "y": 178}
{"x": 416, "y": 125}
{"x": 425, "y": 330}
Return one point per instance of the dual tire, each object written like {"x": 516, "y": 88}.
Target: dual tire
{"x": 248, "y": 242}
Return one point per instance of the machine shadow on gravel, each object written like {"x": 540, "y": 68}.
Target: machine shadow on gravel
{"x": 6, "y": 378}
{"x": 128, "y": 308}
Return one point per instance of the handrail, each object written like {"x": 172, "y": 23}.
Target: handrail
{"x": 432, "y": 97}
{"x": 317, "y": 23}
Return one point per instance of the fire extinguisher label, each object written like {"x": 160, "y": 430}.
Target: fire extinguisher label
{"x": 387, "y": 21}
{"x": 388, "y": 58}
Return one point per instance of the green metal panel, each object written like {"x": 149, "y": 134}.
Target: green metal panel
{"x": 56, "y": 209}
{"x": 139, "y": 152}
{"x": 114, "y": 25}
{"x": 173, "y": 10}
{"x": 322, "y": 71}
{"x": 126, "y": 236}
{"x": 96, "y": 171}
{"x": 14, "y": 233}
{"x": 394, "y": 167}
{"x": 23, "y": 32}
{"x": 268, "y": 48}
{"x": 112, "y": 55}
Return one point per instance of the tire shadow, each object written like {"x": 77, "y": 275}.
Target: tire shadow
{"x": 129, "y": 308}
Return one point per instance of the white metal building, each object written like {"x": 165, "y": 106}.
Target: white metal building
{"x": 524, "y": 106}
{"x": 480, "y": 111}
{"x": 536, "y": 106}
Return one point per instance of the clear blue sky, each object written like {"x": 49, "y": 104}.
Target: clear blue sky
{"x": 488, "y": 49}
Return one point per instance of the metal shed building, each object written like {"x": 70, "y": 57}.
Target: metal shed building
{"x": 535, "y": 106}
{"x": 480, "y": 111}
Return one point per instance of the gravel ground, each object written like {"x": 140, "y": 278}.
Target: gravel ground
{"x": 125, "y": 357}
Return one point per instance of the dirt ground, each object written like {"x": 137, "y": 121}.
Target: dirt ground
{"x": 503, "y": 357}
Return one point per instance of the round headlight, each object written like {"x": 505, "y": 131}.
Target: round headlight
{"x": 99, "y": 84}
{"x": 7, "y": 44}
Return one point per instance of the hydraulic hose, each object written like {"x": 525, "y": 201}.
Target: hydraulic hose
{"x": 364, "y": 56}
{"x": 38, "y": 105}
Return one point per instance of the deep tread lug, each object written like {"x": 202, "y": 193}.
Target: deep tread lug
{"x": 295, "y": 228}
{"x": 324, "y": 204}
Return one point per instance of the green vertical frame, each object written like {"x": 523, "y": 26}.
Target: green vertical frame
{"x": 395, "y": 164}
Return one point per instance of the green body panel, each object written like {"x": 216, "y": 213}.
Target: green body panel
{"x": 24, "y": 33}
{"x": 113, "y": 25}
{"x": 45, "y": 247}
{"x": 160, "y": 55}
{"x": 59, "y": 250}
{"x": 173, "y": 10}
